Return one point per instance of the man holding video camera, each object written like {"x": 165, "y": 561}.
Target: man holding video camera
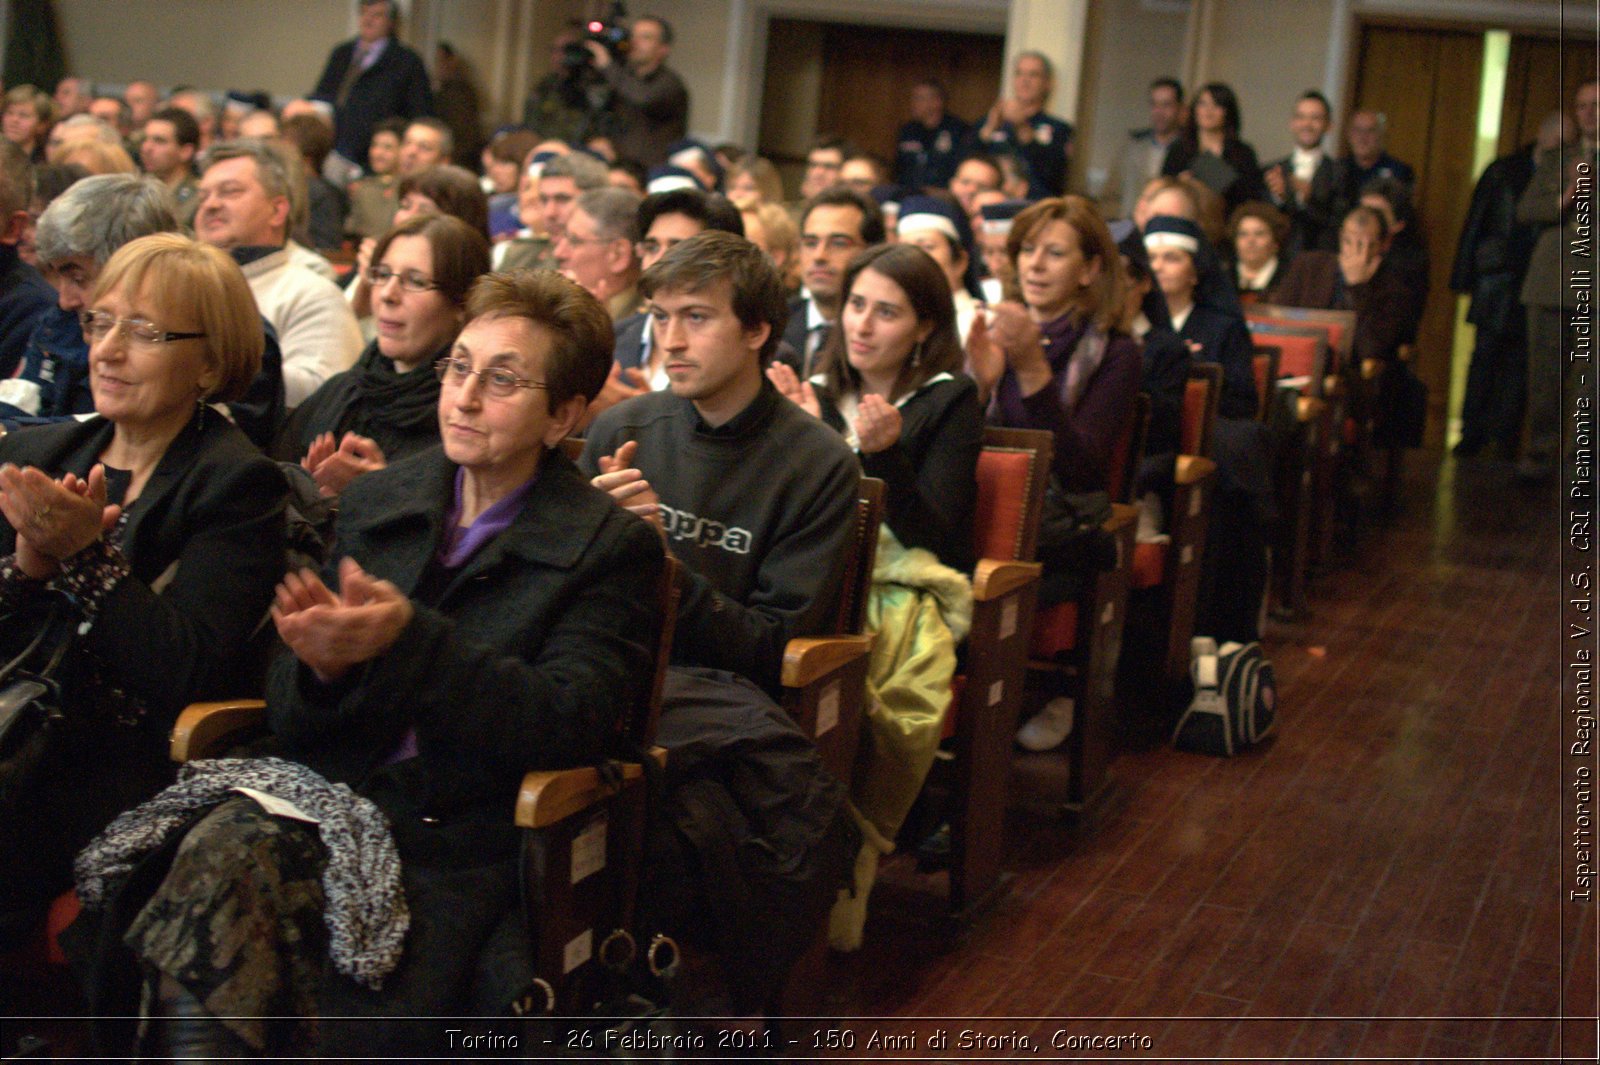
{"x": 649, "y": 105}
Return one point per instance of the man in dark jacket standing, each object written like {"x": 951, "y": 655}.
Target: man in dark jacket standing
{"x": 649, "y": 104}
{"x": 1491, "y": 262}
{"x": 372, "y": 78}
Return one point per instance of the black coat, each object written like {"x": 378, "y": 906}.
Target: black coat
{"x": 537, "y": 651}
{"x": 930, "y": 474}
{"x": 1224, "y": 339}
{"x": 1495, "y": 249}
{"x": 208, "y": 529}
{"x": 396, "y": 85}
{"x": 1314, "y": 221}
{"x": 1246, "y": 185}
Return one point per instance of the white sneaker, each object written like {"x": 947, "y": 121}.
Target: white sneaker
{"x": 1048, "y": 728}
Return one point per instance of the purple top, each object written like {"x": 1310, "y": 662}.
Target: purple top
{"x": 1086, "y": 435}
{"x": 460, "y": 545}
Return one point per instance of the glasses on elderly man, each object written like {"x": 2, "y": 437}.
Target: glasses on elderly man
{"x": 497, "y": 381}
{"x": 97, "y": 325}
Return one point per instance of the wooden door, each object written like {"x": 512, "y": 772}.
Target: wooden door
{"x": 1427, "y": 81}
{"x": 1542, "y": 73}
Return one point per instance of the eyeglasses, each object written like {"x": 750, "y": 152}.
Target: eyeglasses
{"x": 497, "y": 381}
{"x": 97, "y": 325}
{"x": 410, "y": 281}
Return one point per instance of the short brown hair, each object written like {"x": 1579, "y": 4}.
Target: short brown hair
{"x": 43, "y": 106}
{"x": 1267, "y": 214}
{"x": 580, "y": 326}
{"x": 207, "y": 280}
{"x": 706, "y": 258}
{"x": 311, "y": 135}
{"x": 460, "y": 253}
{"x": 1099, "y": 302}
{"x": 454, "y": 189}
{"x": 928, "y": 292}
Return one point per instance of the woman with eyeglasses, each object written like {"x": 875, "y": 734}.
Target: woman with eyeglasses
{"x": 382, "y": 408}
{"x": 157, "y": 527}
{"x": 488, "y": 613}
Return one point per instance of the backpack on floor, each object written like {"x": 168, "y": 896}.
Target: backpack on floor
{"x": 1235, "y": 698}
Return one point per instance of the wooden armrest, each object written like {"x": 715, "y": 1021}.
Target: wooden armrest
{"x": 202, "y": 727}
{"x": 1406, "y": 353}
{"x": 1371, "y": 368}
{"x": 553, "y": 795}
{"x": 812, "y": 658}
{"x": 1192, "y": 469}
{"x": 995, "y": 578}
{"x": 1122, "y": 516}
{"x": 1332, "y": 386}
{"x": 1309, "y": 408}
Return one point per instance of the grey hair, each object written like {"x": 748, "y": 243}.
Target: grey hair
{"x": 615, "y": 212}
{"x": 102, "y": 130}
{"x": 270, "y": 165}
{"x": 585, "y": 170}
{"x": 98, "y": 215}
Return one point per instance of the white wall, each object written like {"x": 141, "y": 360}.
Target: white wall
{"x": 218, "y": 44}
{"x": 1268, "y": 78}
{"x": 1131, "y": 44}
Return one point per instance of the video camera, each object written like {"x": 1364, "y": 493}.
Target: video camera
{"x": 610, "y": 32}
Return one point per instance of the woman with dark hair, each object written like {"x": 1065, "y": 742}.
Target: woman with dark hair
{"x": 1257, "y": 233}
{"x": 383, "y": 408}
{"x": 1211, "y": 150}
{"x": 446, "y": 190}
{"x": 943, "y": 231}
{"x": 890, "y": 381}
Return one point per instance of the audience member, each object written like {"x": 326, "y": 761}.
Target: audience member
{"x": 1366, "y": 157}
{"x": 24, "y": 296}
{"x": 994, "y": 231}
{"x": 372, "y": 78}
{"x": 373, "y": 197}
{"x": 977, "y": 173}
{"x": 27, "y": 120}
{"x": 264, "y": 125}
{"x": 1491, "y": 263}
{"x": 455, "y": 99}
{"x": 1258, "y": 233}
{"x": 503, "y": 160}
{"x": 447, "y": 190}
{"x": 72, "y": 97}
{"x": 429, "y": 693}
{"x": 932, "y": 143}
{"x": 326, "y": 203}
{"x": 171, "y": 141}
{"x": 1019, "y": 121}
{"x": 201, "y": 109}
{"x": 1404, "y": 247}
{"x": 1551, "y": 203}
{"x": 427, "y": 142}
{"x": 1147, "y": 148}
{"x": 835, "y": 225}
{"x": 114, "y": 113}
{"x": 940, "y": 228}
{"x": 1202, "y": 307}
{"x": 596, "y": 249}
{"x": 649, "y": 103}
{"x": 823, "y": 163}
{"x": 142, "y": 99}
{"x": 1211, "y": 151}
{"x": 244, "y": 210}
{"x": 863, "y": 172}
{"x": 545, "y": 202}
{"x": 753, "y": 181}
{"x": 628, "y": 174}
{"x": 49, "y": 181}
{"x": 665, "y": 220}
{"x": 163, "y": 527}
{"x": 890, "y": 382}
{"x": 1305, "y": 184}
{"x": 385, "y": 408}
{"x": 772, "y": 229}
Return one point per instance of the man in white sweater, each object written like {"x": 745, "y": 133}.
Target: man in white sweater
{"x": 244, "y": 210}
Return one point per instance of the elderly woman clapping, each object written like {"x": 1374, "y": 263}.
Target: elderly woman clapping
{"x": 161, "y": 526}
{"x": 489, "y": 613}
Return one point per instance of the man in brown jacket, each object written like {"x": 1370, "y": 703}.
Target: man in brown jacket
{"x": 1562, "y": 190}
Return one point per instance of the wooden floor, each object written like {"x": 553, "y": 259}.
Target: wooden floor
{"x": 1379, "y": 881}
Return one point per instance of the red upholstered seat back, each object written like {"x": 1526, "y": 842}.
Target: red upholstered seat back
{"x": 1003, "y": 493}
{"x": 1262, "y": 365}
{"x": 1298, "y": 356}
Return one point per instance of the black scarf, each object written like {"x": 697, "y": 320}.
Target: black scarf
{"x": 387, "y": 402}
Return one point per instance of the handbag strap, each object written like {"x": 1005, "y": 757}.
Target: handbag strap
{"x": 52, "y": 621}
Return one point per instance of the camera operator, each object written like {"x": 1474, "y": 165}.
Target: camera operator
{"x": 649, "y": 105}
